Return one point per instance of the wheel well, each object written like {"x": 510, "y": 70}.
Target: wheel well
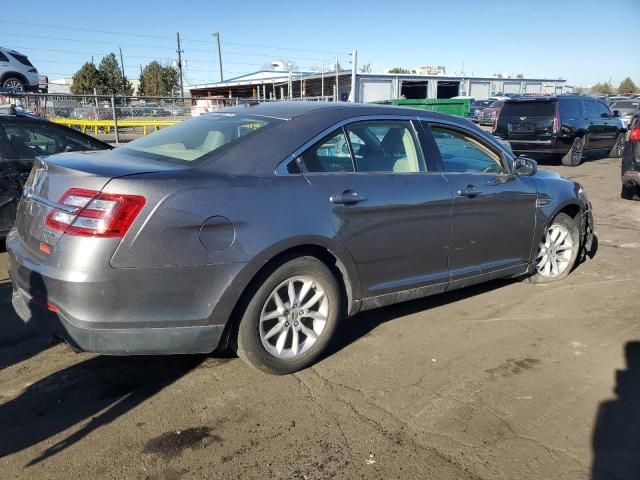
{"x": 321, "y": 253}
{"x": 572, "y": 210}
{"x": 22, "y": 78}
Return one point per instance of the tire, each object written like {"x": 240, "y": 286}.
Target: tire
{"x": 630, "y": 192}
{"x": 574, "y": 156}
{"x": 565, "y": 258}
{"x": 14, "y": 84}
{"x": 618, "y": 148}
{"x": 276, "y": 353}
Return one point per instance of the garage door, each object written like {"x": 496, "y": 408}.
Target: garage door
{"x": 375, "y": 90}
{"x": 533, "y": 88}
{"x": 479, "y": 90}
{"x": 511, "y": 87}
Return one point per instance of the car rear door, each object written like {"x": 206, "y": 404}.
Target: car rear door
{"x": 391, "y": 215}
{"x": 493, "y": 216}
{"x": 524, "y": 122}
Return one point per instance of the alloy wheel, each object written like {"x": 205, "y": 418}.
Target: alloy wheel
{"x": 293, "y": 317}
{"x": 14, "y": 85}
{"x": 576, "y": 154}
{"x": 620, "y": 146}
{"x": 555, "y": 251}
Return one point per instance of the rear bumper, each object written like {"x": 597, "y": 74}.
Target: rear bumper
{"x": 114, "y": 341}
{"x": 120, "y": 311}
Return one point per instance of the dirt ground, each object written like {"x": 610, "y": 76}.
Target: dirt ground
{"x": 501, "y": 381}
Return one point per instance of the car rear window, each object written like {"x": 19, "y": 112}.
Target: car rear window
{"x": 195, "y": 139}
{"x": 570, "y": 109}
{"x": 22, "y": 59}
{"x": 528, "y": 109}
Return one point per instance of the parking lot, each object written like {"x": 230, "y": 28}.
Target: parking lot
{"x": 500, "y": 381}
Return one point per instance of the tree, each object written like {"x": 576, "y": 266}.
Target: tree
{"x": 519, "y": 75}
{"x": 498, "y": 75}
{"x": 86, "y": 80}
{"x": 578, "y": 89}
{"x": 604, "y": 88}
{"x": 366, "y": 68}
{"x": 401, "y": 70}
{"x": 112, "y": 80}
{"x": 627, "y": 86}
{"x": 158, "y": 81}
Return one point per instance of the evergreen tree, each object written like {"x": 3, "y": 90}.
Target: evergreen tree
{"x": 112, "y": 80}
{"x": 86, "y": 80}
{"x": 158, "y": 81}
{"x": 627, "y": 86}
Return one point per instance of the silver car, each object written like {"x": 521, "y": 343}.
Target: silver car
{"x": 17, "y": 74}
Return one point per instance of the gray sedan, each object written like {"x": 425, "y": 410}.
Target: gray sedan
{"x": 260, "y": 227}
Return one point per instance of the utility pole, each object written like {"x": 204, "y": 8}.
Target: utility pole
{"x": 337, "y": 80}
{"x": 354, "y": 69}
{"x": 180, "y": 52}
{"x": 121, "y": 63}
{"x": 217, "y": 35}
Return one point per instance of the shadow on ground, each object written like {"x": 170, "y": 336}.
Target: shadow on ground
{"x": 616, "y": 434}
{"x": 87, "y": 395}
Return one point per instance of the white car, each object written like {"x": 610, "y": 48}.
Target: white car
{"x": 17, "y": 74}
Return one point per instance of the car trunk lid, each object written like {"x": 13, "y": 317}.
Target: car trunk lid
{"x": 527, "y": 120}
{"x": 51, "y": 177}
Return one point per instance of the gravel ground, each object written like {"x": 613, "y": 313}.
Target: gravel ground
{"x": 501, "y": 381}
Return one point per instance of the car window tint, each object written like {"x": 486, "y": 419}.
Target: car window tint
{"x": 331, "y": 154}
{"x": 570, "y": 109}
{"x": 384, "y": 146}
{"x": 3, "y": 57}
{"x": 590, "y": 106}
{"x": 602, "y": 110}
{"x": 40, "y": 138}
{"x": 462, "y": 153}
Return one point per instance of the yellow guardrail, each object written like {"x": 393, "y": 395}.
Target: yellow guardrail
{"x": 107, "y": 125}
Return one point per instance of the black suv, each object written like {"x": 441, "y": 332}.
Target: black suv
{"x": 22, "y": 138}
{"x": 567, "y": 125}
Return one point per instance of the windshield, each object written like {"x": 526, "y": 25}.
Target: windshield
{"x": 529, "y": 109}
{"x": 482, "y": 103}
{"x": 192, "y": 140}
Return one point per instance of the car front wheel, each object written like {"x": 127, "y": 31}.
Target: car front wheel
{"x": 558, "y": 250}
{"x": 291, "y": 317}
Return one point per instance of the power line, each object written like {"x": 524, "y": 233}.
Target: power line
{"x": 143, "y": 35}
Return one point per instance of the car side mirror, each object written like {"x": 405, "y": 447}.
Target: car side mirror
{"x": 616, "y": 113}
{"x": 525, "y": 167}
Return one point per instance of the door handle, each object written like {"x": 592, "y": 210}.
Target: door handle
{"x": 348, "y": 197}
{"x": 470, "y": 192}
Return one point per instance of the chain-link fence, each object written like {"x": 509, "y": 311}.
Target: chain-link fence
{"x": 121, "y": 119}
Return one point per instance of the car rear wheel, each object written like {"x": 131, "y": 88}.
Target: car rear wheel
{"x": 630, "y": 192}
{"x": 573, "y": 157}
{"x": 291, "y": 317}
{"x": 14, "y": 84}
{"x": 557, "y": 251}
{"x": 618, "y": 148}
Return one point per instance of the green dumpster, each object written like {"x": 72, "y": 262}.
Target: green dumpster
{"x": 452, "y": 106}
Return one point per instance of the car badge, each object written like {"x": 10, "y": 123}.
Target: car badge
{"x": 523, "y": 118}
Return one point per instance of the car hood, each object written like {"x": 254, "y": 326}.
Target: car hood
{"x": 545, "y": 174}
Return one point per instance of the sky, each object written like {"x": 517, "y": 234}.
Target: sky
{"x": 582, "y": 41}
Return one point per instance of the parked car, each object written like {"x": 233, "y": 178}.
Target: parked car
{"x": 631, "y": 167}
{"x": 567, "y": 125}
{"x": 260, "y": 227}
{"x": 626, "y": 109}
{"x": 476, "y": 107}
{"x": 23, "y": 137}
{"x": 17, "y": 74}
{"x": 488, "y": 115}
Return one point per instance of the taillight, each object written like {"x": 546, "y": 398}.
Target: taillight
{"x": 95, "y": 214}
{"x": 635, "y": 134}
{"x": 495, "y": 121}
{"x": 556, "y": 120}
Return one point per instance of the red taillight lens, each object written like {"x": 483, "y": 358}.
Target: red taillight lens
{"x": 635, "y": 135}
{"x": 556, "y": 120}
{"x": 96, "y": 214}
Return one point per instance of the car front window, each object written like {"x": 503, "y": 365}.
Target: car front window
{"x": 462, "y": 153}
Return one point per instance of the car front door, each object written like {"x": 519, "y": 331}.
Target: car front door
{"x": 598, "y": 137}
{"x": 610, "y": 125}
{"x": 493, "y": 216}
{"x": 390, "y": 213}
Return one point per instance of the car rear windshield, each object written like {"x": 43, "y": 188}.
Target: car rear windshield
{"x": 195, "y": 139}
{"x": 482, "y": 103}
{"x": 22, "y": 59}
{"x": 528, "y": 109}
